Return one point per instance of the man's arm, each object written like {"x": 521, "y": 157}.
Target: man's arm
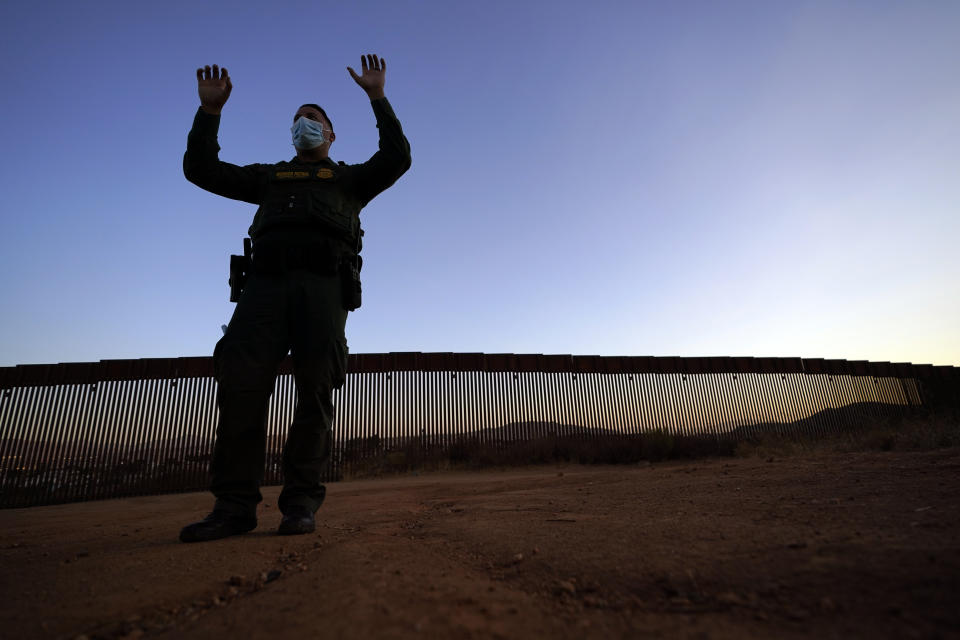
{"x": 201, "y": 162}
{"x": 393, "y": 157}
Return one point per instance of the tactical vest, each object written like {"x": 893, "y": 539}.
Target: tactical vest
{"x": 299, "y": 196}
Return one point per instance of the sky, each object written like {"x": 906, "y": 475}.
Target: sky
{"x": 684, "y": 178}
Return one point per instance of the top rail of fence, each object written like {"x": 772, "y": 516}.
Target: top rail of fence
{"x": 31, "y": 375}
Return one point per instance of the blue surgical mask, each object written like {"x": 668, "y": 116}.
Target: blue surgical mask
{"x": 307, "y": 133}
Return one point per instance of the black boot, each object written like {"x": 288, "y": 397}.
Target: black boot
{"x": 296, "y": 520}
{"x": 217, "y": 525}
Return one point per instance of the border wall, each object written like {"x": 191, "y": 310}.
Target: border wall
{"x": 86, "y": 431}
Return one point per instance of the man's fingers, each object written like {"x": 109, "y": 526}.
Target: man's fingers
{"x": 214, "y": 73}
{"x": 353, "y": 74}
{"x": 372, "y": 62}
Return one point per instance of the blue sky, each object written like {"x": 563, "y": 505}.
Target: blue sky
{"x": 649, "y": 178}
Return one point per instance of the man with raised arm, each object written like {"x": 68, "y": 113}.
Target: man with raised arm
{"x": 303, "y": 280}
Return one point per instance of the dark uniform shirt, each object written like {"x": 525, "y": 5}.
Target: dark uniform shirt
{"x": 296, "y": 198}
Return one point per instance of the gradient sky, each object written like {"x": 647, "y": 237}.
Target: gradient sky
{"x": 616, "y": 178}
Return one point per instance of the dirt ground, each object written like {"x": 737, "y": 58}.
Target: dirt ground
{"x": 825, "y": 545}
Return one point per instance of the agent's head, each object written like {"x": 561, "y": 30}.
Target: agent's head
{"x": 307, "y": 134}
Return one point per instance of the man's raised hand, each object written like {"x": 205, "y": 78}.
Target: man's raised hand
{"x": 214, "y": 87}
{"x": 374, "y": 75}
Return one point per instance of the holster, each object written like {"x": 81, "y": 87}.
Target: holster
{"x": 350, "y": 287}
{"x": 240, "y": 267}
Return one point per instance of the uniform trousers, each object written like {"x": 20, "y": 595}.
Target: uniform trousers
{"x": 302, "y": 313}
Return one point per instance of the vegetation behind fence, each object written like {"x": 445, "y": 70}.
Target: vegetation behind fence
{"x": 83, "y": 431}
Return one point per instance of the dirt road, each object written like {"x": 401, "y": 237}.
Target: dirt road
{"x": 861, "y": 545}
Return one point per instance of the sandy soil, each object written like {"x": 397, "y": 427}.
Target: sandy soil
{"x": 862, "y": 545}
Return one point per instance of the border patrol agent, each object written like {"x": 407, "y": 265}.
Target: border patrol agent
{"x": 303, "y": 279}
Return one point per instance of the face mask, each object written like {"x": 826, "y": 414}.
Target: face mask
{"x": 307, "y": 133}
